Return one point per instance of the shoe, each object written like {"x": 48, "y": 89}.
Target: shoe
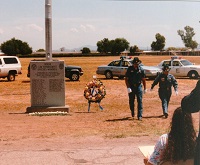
{"x": 166, "y": 115}
{"x": 140, "y": 118}
{"x": 132, "y": 115}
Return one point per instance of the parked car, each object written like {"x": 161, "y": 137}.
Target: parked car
{"x": 10, "y": 67}
{"x": 118, "y": 68}
{"x": 181, "y": 67}
{"x": 151, "y": 71}
{"x": 71, "y": 71}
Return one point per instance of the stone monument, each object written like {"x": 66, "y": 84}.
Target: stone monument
{"x": 47, "y": 77}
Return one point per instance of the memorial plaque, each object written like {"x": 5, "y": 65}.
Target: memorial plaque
{"x": 47, "y": 83}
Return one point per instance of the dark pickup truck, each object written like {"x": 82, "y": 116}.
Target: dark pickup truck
{"x": 71, "y": 71}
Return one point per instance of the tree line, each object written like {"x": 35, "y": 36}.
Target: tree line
{"x": 116, "y": 46}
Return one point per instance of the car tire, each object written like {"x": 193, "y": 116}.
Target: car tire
{"x": 11, "y": 77}
{"x": 121, "y": 77}
{"x": 109, "y": 75}
{"x": 193, "y": 74}
{"x": 74, "y": 76}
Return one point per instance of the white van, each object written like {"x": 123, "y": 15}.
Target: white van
{"x": 10, "y": 66}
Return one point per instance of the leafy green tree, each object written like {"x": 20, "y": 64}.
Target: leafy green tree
{"x": 172, "y": 49}
{"x": 40, "y": 50}
{"x": 85, "y": 50}
{"x": 119, "y": 45}
{"x": 159, "y": 44}
{"x": 134, "y": 49}
{"x": 104, "y": 46}
{"x": 15, "y": 46}
{"x": 114, "y": 46}
{"x": 186, "y": 37}
{"x": 100, "y": 47}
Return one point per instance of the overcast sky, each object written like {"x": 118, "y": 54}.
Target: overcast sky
{"x": 78, "y": 23}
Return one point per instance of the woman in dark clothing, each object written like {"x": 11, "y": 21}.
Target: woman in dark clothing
{"x": 177, "y": 145}
{"x": 191, "y": 104}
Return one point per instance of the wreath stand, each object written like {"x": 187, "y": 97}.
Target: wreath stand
{"x": 89, "y": 103}
{"x": 94, "y": 92}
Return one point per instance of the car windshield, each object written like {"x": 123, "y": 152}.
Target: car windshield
{"x": 186, "y": 62}
{"x": 114, "y": 63}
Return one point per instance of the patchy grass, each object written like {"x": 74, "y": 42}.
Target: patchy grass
{"x": 113, "y": 122}
{"x": 48, "y": 114}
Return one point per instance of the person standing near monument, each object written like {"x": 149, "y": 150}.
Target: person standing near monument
{"x": 166, "y": 81}
{"x": 134, "y": 79}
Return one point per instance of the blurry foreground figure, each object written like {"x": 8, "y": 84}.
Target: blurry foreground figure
{"x": 177, "y": 145}
{"x": 191, "y": 104}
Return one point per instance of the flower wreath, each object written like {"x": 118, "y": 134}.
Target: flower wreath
{"x": 94, "y": 91}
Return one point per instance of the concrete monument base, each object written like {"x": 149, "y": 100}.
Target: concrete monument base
{"x": 47, "y": 109}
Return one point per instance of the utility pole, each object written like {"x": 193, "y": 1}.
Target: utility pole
{"x": 48, "y": 29}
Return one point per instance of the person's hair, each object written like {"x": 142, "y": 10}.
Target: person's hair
{"x": 181, "y": 138}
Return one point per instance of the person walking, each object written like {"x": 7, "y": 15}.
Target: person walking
{"x": 134, "y": 78}
{"x": 177, "y": 145}
{"x": 166, "y": 81}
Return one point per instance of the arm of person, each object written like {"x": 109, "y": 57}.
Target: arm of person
{"x": 155, "y": 81}
{"x": 126, "y": 82}
{"x": 144, "y": 83}
{"x": 143, "y": 76}
{"x": 174, "y": 83}
{"x": 126, "y": 78}
{"x": 158, "y": 149}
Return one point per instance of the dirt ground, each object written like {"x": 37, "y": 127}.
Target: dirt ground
{"x": 19, "y": 129}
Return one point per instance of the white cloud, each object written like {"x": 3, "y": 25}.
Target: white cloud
{"x": 74, "y": 30}
{"x": 19, "y": 28}
{"x": 91, "y": 27}
{"x": 83, "y": 28}
{"x": 1, "y": 31}
{"x": 28, "y": 27}
{"x": 35, "y": 27}
{"x": 87, "y": 28}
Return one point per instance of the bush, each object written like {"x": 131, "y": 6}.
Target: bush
{"x": 85, "y": 50}
{"x": 15, "y": 47}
